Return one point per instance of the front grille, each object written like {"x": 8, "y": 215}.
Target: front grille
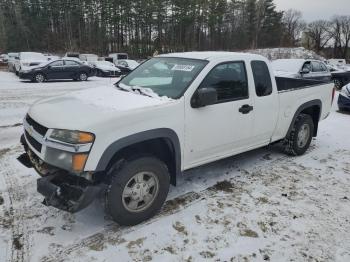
{"x": 33, "y": 142}
{"x": 37, "y": 127}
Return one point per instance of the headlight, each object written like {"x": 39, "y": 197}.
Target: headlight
{"x": 72, "y": 137}
{"x": 26, "y": 64}
{"x": 25, "y": 71}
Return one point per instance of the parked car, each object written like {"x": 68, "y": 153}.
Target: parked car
{"x": 4, "y": 58}
{"x": 118, "y": 56}
{"x": 336, "y": 62}
{"x": 59, "y": 69}
{"x": 25, "y": 60}
{"x": 106, "y": 69}
{"x": 72, "y": 54}
{"x": 302, "y": 68}
{"x": 88, "y": 57}
{"x": 127, "y": 65}
{"x": 134, "y": 139}
{"x": 11, "y": 61}
{"x": 344, "y": 98}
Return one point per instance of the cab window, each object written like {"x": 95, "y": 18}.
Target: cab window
{"x": 229, "y": 80}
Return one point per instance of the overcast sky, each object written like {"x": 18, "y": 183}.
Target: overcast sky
{"x": 316, "y": 9}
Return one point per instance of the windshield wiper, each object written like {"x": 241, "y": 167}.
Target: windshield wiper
{"x": 141, "y": 91}
{"x": 123, "y": 88}
{"x": 134, "y": 89}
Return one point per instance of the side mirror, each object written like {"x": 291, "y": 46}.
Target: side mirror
{"x": 204, "y": 97}
{"x": 305, "y": 71}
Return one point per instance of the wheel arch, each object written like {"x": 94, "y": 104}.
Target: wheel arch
{"x": 162, "y": 142}
{"x": 312, "y": 108}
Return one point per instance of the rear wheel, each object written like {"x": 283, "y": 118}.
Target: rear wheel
{"x": 138, "y": 190}
{"x": 299, "y": 139}
{"x": 83, "y": 76}
{"x": 39, "y": 78}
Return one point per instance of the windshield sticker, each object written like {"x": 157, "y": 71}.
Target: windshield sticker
{"x": 186, "y": 68}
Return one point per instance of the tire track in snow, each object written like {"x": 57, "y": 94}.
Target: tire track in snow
{"x": 15, "y": 209}
{"x": 112, "y": 233}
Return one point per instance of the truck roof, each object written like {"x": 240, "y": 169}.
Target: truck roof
{"x": 212, "y": 55}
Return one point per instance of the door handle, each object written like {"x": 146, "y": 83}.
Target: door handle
{"x": 245, "y": 109}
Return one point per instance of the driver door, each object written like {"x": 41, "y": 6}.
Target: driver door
{"x": 55, "y": 70}
{"x": 220, "y": 130}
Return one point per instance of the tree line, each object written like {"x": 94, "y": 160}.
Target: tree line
{"x": 142, "y": 27}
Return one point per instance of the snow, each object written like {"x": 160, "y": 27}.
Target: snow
{"x": 288, "y": 65}
{"x": 286, "y": 53}
{"x": 254, "y": 206}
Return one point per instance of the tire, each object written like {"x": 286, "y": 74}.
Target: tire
{"x": 338, "y": 84}
{"x": 83, "y": 76}
{"x": 299, "y": 139}
{"x": 39, "y": 78}
{"x": 128, "y": 185}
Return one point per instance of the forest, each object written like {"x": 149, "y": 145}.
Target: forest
{"x": 143, "y": 27}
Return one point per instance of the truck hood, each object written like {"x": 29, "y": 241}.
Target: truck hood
{"x": 84, "y": 109}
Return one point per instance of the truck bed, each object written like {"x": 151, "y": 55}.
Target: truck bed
{"x": 288, "y": 84}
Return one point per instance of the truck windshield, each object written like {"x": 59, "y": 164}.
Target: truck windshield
{"x": 166, "y": 76}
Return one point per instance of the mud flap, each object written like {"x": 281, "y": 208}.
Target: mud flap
{"x": 62, "y": 194}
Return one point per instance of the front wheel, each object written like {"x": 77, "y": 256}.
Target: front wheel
{"x": 83, "y": 76}
{"x": 137, "y": 190}
{"x": 39, "y": 78}
{"x": 299, "y": 139}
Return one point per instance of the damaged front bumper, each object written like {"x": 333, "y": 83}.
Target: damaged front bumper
{"x": 67, "y": 192}
{"x": 61, "y": 189}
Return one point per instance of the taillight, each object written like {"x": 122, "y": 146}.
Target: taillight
{"x": 333, "y": 94}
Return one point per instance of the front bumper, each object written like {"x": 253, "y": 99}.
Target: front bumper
{"x": 343, "y": 102}
{"x": 27, "y": 76}
{"x": 110, "y": 73}
{"x": 67, "y": 192}
{"x": 60, "y": 188}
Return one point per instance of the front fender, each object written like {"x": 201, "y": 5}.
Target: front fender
{"x": 116, "y": 146}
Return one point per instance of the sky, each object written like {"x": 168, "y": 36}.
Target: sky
{"x": 316, "y": 9}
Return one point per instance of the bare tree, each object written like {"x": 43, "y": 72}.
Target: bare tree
{"x": 294, "y": 26}
{"x": 319, "y": 33}
{"x": 345, "y": 28}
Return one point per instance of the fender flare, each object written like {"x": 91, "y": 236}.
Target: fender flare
{"x": 116, "y": 146}
{"x": 304, "y": 106}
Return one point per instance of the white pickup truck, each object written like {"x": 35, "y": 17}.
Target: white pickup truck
{"x": 172, "y": 113}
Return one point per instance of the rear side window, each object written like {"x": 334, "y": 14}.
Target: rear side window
{"x": 316, "y": 67}
{"x": 57, "y": 63}
{"x": 262, "y": 78}
{"x": 229, "y": 80}
{"x": 71, "y": 63}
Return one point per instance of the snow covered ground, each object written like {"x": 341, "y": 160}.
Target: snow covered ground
{"x": 261, "y": 205}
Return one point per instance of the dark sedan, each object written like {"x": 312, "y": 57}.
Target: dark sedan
{"x": 344, "y": 98}
{"x": 59, "y": 69}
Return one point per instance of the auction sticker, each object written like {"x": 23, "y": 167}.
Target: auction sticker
{"x": 186, "y": 68}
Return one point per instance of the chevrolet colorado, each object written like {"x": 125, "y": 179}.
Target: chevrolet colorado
{"x": 174, "y": 112}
